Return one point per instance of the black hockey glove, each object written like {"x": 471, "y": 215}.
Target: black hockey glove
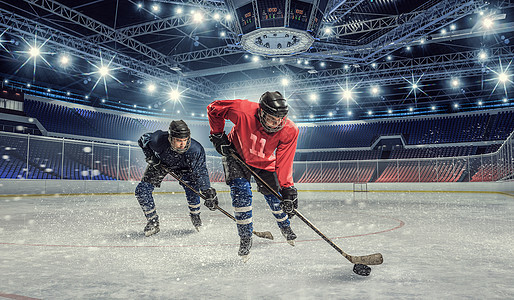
{"x": 211, "y": 200}
{"x": 153, "y": 161}
{"x": 289, "y": 200}
{"x": 221, "y": 143}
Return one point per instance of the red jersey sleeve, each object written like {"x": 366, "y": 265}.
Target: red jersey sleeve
{"x": 219, "y": 111}
{"x": 286, "y": 150}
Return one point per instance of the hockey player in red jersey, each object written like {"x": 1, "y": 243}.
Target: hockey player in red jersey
{"x": 265, "y": 139}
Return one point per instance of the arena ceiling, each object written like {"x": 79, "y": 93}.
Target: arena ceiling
{"x": 370, "y": 58}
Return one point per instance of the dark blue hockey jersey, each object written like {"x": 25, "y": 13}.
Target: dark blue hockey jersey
{"x": 191, "y": 163}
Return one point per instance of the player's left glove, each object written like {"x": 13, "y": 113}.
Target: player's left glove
{"x": 289, "y": 200}
{"x": 153, "y": 161}
{"x": 221, "y": 143}
{"x": 211, "y": 200}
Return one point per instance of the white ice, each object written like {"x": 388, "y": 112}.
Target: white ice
{"x": 435, "y": 246}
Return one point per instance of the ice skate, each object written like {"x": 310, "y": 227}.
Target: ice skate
{"x": 288, "y": 233}
{"x": 152, "y": 227}
{"x": 244, "y": 248}
{"x": 197, "y": 222}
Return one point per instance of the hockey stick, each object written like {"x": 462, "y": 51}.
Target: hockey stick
{"x": 360, "y": 262}
{"x": 261, "y": 234}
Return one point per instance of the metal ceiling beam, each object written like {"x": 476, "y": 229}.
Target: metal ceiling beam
{"x": 462, "y": 64}
{"x": 145, "y": 28}
{"x": 437, "y": 16}
{"x": 59, "y": 41}
{"x": 373, "y": 24}
{"x": 433, "y": 18}
{"x": 208, "y": 53}
{"x": 156, "y": 57}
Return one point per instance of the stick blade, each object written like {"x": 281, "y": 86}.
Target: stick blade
{"x": 264, "y": 234}
{"x": 372, "y": 259}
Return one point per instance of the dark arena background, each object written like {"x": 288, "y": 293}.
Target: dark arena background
{"x": 405, "y": 147}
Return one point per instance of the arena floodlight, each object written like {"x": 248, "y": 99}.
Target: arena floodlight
{"x": 216, "y": 16}
{"x": 228, "y": 17}
{"x": 285, "y": 81}
{"x": 311, "y": 116}
{"x": 347, "y": 94}
{"x": 370, "y": 112}
{"x": 482, "y": 55}
{"x": 455, "y": 83}
{"x": 322, "y": 64}
{"x": 443, "y": 31}
{"x": 179, "y": 10}
{"x": 139, "y": 5}
{"x": 255, "y": 59}
{"x": 505, "y": 100}
{"x": 156, "y": 8}
{"x": 64, "y": 60}
{"x": 197, "y": 17}
{"x": 480, "y": 103}
{"x": 174, "y": 95}
{"x": 103, "y": 71}
{"x": 330, "y": 114}
{"x": 408, "y": 48}
{"x": 327, "y": 30}
{"x": 135, "y": 106}
{"x": 390, "y": 111}
{"x": 222, "y": 34}
{"x": 151, "y": 88}
{"x": 34, "y": 52}
{"x": 374, "y": 90}
{"x": 313, "y": 97}
{"x": 456, "y": 105}
{"x": 349, "y": 112}
{"x": 453, "y": 27}
{"x": 487, "y": 22}
{"x": 411, "y": 109}
{"x": 503, "y": 77}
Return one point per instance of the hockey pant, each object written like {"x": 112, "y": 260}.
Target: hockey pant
{"x": 240, "y": 190}
{"x": 152, "y": 178}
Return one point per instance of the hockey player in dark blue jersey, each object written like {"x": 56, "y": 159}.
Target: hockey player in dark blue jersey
{"x": 176, "y": 151}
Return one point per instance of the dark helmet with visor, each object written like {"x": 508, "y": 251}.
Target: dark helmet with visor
{"x": 273, "y": 111}
{"x": 179, "y": 130}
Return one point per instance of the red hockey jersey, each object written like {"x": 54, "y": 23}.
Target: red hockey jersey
{"x": 252, "y": 142}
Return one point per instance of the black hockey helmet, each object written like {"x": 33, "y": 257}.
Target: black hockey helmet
{"x": 273, "y": 104}
{"x": 178, "y": 129}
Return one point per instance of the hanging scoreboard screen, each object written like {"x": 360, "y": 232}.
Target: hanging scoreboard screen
{"x": 246, "y": 18}
{"x": 271, "y": 12}
{"x": 299, "y": 14}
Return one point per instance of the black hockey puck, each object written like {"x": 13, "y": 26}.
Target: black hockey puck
{"x": 361, "y": 269}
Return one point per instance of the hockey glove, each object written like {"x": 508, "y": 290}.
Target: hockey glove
{"x": 211, "y": 200}
{"x": 153, "y": 161}
{"x": 289, "y": 201}
{"x": 221, "y": 143}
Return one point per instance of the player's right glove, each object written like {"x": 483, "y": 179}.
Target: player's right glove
{"x": 221, "y": 143}
{"x": 211, "y": 199}
{"x": 289, "y": 200}
{"x": 153, "y": 161}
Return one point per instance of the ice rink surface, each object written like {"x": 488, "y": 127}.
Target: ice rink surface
{"x": 435, "y": 246}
